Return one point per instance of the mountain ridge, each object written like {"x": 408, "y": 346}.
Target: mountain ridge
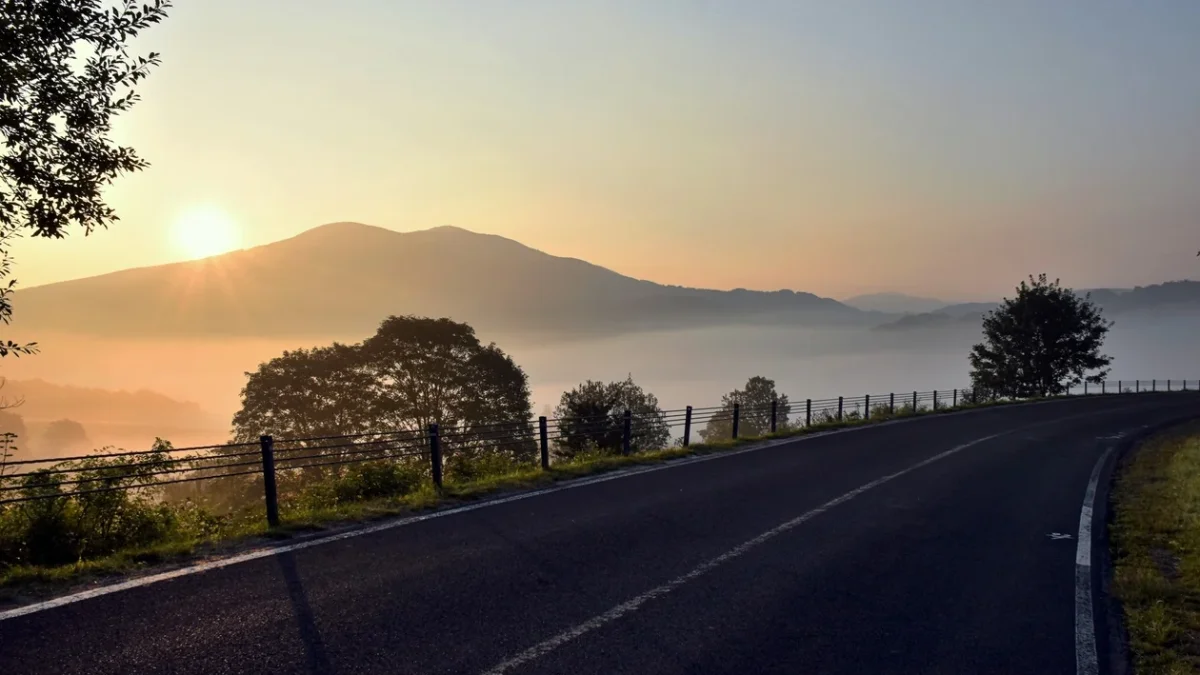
{"x": 344, "y": 277}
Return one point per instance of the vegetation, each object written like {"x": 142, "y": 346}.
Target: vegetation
{"x": 591, "y": 417}
{"x": 754, "y": 411}
{"x": 1156, "y": 552}
{"x": 65, "y": 73}
{"x": 1040, "y": 343}
{"x": 412, "y": 373}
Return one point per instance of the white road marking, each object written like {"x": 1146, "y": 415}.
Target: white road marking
{"x": 633, "y": 604}
{"x": 1055, "y": 536}
{"x": 1087, "y": 662}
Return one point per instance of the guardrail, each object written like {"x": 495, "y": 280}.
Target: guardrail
{"x": 177, "y": 473}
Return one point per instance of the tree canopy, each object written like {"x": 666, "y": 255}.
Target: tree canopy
{"x": 413, "y": 372}
{"x": 754, "y": 411}
{"x": 65, "y": 73}
{"x": 1040, "y": 343}
{"x": 592, "y": 417}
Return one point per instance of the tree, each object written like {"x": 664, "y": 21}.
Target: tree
{"x": 412, "y": 373}
{"x": 754, "y": 411}
{"x": 65, "y": 73}
{"x": 65, "y": 437}
{"x": 306, "y": 393}
{"x": 1040, "y": 343}
{"x": 592, "y": 417}
{"x": 427, "y": 371}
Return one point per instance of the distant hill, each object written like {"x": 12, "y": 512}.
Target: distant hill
{"x": 1172, "y": 296}
{"x": 894, "y": 303}
{"x": 48, "y": 401}
{"x": 343, "y": 278}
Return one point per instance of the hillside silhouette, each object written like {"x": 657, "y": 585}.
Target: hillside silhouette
{"x": 1165, "y": 298}
{"x": 340, "y": 278}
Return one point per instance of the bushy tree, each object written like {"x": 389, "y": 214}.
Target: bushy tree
{"x": 1039, "y": 343}
{"x": 412, "y": 373}
{"x": 65, "y": 73}
{"x": 754, "y": 414}
{"x": 592, "y": 417}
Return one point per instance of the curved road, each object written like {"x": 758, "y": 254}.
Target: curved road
{"x": 940, "y": 545}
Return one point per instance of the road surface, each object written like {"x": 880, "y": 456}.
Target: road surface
{"x": 940, "y": 545}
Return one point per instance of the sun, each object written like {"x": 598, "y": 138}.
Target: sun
{"x": 206, "y": 231}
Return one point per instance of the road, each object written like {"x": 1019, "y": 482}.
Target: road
{"x": 940, "y": 545}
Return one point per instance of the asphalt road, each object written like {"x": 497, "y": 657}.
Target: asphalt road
{"x": 938, "y": 554}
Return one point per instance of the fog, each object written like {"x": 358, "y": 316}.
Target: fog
{"x": 687, "y": 367}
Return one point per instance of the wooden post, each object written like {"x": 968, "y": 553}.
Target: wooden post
{"x": 435, "y": 455}
{"x": 627, "y": 434}
{"x": 736, "y": 417}
{"x": 270, "y": 490}
{"x": 774, "y": 414}
{"x": 544, "y": 438}
{"x": 687, "y": 427}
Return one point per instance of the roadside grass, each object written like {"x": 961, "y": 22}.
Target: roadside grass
{"x": 1155, "y": 538}
{"x": 247, "y": 530}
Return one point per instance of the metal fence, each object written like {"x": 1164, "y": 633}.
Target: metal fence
{"x": 272, "y": 466}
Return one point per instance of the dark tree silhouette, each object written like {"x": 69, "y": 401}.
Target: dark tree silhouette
{"x": 412, "y": 373}
{"x": 754, "y": 414}
{"x": 592, "y": 417}
{"x": 65, "y": 73}
{"x": 306, "y": 393}
{"x": 1039, "y": 343}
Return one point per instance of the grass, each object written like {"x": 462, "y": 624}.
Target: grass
{"x": 1156, "y": 552}
{"x": 28, "y": 582}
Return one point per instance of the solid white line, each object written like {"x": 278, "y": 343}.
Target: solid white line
{"x": 565, "y": 485}
{"x": 632, "y": 605}
{"x": 1087, "y": 661}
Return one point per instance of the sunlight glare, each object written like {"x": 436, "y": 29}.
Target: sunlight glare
{"x": 206, "y": 232}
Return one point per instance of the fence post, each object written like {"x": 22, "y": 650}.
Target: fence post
{"x": 1102, "y": 387}
{"x": 1120, "y": 389}
{"x": 935, "y": 400}
{"x": 954, "y": 402}
{"x": 1153, "y": 385}
{"x": 914, "y": 403}
{"x": 269, "y": 489}
{"x": 687, "y": 427}
{"x": 627, "y": 433}
{"x": 892, "y": 403}
{"x": 1085, "y": 387}
{"x": 808, "y": 412}
{"x": 867, "y": 407}
{"x": 1168, "y": 385}
{"x": 435, "y": 455}
{"x": 737, "y": 411}
{"x": 774, "y": 414}
{"x": 544, "y": 438}
{"x": 839, "y": 408}
{"x": 1137, "y": 386}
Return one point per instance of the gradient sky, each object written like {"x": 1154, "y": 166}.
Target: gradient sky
{"x": 934, "y": 146}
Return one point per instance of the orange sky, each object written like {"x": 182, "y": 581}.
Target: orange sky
{"x": 830, "y": 147}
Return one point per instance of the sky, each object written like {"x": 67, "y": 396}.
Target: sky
{"x": 929, "y": 146}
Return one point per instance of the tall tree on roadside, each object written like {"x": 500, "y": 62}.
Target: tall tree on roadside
{"x": 65, "y": 73}
{"x": 1040, "y": 343}
{"x": 754, "y": 411}
{"x": 592, "y": 417}
{"x": 306, "y": 393}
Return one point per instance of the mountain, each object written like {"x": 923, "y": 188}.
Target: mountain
{"x": 894, "y": 303}
{"x": 41, "y": 400}
{"x": 1169, "y": 297}
{"x": 343, "y": 278}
